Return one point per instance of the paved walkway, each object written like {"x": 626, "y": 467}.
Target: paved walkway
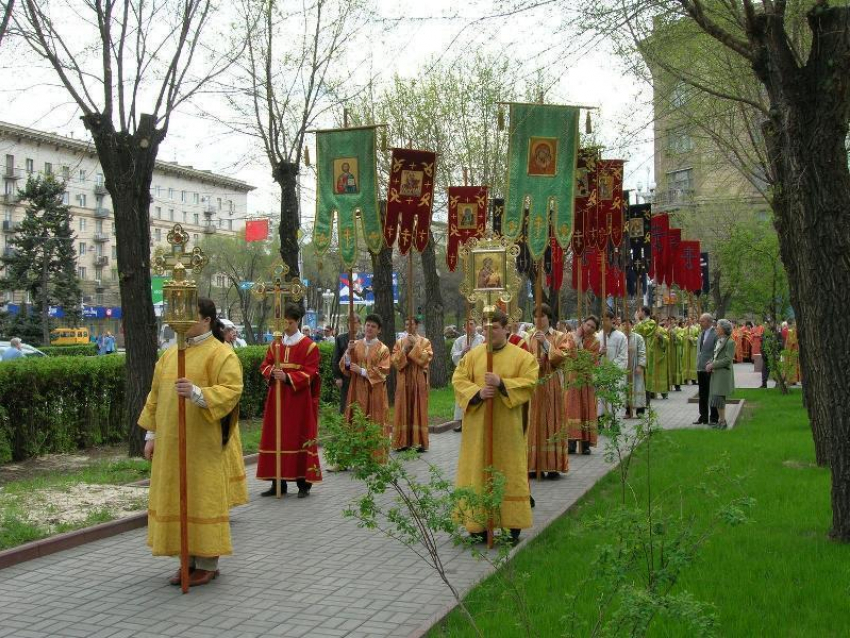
{"x": 299, "y": 568}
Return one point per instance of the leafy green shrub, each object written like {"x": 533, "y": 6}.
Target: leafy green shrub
{"x": 80, "y": 350}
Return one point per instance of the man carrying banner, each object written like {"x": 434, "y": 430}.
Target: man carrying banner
{"x": 298, "y": 381}
{"x": 411, "y": 357}
{"x": 212, "y": 388}
{"x": 509, "y": 386}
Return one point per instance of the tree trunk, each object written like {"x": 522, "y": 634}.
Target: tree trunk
{"x": 382, "y": 284}
{"x": 805, "y": 136}
{"x": 45, "y": 294}
{"x": 286, "y": 176}
{"x": 433, "y": 311}
{"x": 128, "y": 163}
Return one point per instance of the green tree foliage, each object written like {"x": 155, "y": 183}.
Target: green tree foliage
{"x": 44, "y": 262}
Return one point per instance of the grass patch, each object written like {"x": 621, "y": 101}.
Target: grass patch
{"x": 441, "y": 404}
{"x": 780, "y": 575}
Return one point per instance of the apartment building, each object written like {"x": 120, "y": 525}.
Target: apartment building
{"x": 203, "y": 202}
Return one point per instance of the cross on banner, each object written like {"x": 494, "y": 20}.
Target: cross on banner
{"x": 279, "y": 288}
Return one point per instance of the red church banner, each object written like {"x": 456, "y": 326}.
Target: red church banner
{"x": 257, "y": 230}
{"x": 609, "y": 176}
{"x": 410, "y": 198}
{"x": 467, "y": 216}
{"x": 671, "y": 263}
{"x": 585, "y": 200}
{"x": 555, "y": 276}
{"x": 689, "y": 274}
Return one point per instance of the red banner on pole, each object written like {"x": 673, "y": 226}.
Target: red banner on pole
{"x": 410, "y": 198}
{"x": 257, "y": 230}
{"x": 609, "y": 175}
{"x": 467, "y": 217}
{"x": 689, "y": 274}
{"x": 672, "y": 265}
{"x": 585, "y": 200}
{"x": 659, "y": 225}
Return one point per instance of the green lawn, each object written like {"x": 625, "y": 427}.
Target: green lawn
{"x": 777, "y": 576}
{"x": 441, "y": 404}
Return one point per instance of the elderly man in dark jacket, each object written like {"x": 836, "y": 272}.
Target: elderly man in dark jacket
{"x": 705, "y": 353}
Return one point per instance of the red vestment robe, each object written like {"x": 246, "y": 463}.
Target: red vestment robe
{"x": 299, "y": 403}
{"x": 410, "y": 417}
{"x": 580, "y": 395}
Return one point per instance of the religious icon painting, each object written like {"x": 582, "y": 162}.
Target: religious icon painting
{"x": 346, "y": 178}
{"x": 542, "y": 156}
{"x": 467, "y": 216}
{"x": 636, "y": 228}
{"x": 606, "y": 187}
{"x": 489, "y": 268}
{"x": 411, "y": 183}
{"x": 582, "y": 182}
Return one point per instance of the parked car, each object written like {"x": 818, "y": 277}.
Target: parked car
{"x": 28, "y": 350}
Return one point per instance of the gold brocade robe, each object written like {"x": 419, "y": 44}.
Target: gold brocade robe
{"x": 518, "y": 370}
{"x": 547, "y": 433}
{"x": 580, "y": 395}
{"x": 410, "y": 417}
{"x": 215, "y": 472}
{"x": 369, "y": 392}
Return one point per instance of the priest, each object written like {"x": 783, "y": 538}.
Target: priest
{"x": 367, "y": 363}
{"x": 508, "y": 386}
{"x": 656, "y": 340}
{"x": 298, "y": 382}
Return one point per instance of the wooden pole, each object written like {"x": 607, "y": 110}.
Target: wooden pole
{"x": 538, "y": 313}
{"x": 278, "y": 409}
{"x": 603, "y": 266}
{"x": 488, "y": 420}
{"x": 351, "y": 335}
{"x": 184, "y": 480}
{"x": 580, "y": 291}
{"x": 410, "y": 285}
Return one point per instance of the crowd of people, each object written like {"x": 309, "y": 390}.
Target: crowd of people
{"x": 545, "y": 409}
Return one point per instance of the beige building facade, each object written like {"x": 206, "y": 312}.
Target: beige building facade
{"x": 203, "y": 202}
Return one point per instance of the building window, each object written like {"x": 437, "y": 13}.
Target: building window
{"x": 196, "y": 197}
{"x": 82, "y": 224}
{"x": 220, "y": 281}
{"x": 679, "y": 141}
{"x": 98, "y": 179}
{"x": 171, "y": 214}
{"x": 680, "y": 185}
{"x": 114, "y": 252}
{"x": 48, "y": 168}
{"x": 196, "y": 218}
{"x": 113, "y": 229}
{"x": 114, "y": 273}
{"x": 81, "y": 249}
{"x": 229, "y": 224}
{"x": 81, "y": 272}
{"x": 231, "y": 206}
{"x": 98, "y": 274}
{"x": 185, "y": 215}
{"x": 220, "y": 222}
{"x": 66, "y": 173}
{"x": 159, "y": 212}
{"x": 98, "y": 298}
{"x": 170, "y": 193}
{"x": 10, "y": 164}
{"x": 66, "y": 198}
{"x": 158, "y": 234}
{"x": 183, "y": 197}
{"x": 81, "y": 200}
{"x": 195, "y": 238}
{"x": 82, "y": 175}
{"x": 679, "y": 95}
{"x": 30, "y": 166}
{"x": 219, "y": 203}
{"x": 98, "y": 226}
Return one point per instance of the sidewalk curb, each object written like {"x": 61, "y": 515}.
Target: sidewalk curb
{"x": 442, "y": 427}
{"x": 77, "y": 537}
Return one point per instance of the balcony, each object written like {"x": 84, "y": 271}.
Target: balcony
{"x": 101, "y": 261}
{"x": 101, "y": 237}
{"x": 102, "y": 212}
{"x": 99, "y": 287}
{"x": 10, "y": 226}
{"x": 13, "y": 174}
{"x": 210, "y": 229}
{"x": 209, "y": 210}
{"x": 99, "y": 190}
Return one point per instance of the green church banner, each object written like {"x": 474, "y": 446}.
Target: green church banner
{"x": 542, "y": 152}
{"x": 346, "y": 169}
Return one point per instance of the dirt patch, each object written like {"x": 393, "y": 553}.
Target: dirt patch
{"x": 50, "y": 463}
{"x": 56, "y": 507}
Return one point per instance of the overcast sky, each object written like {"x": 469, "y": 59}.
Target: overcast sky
{"x": 399, "y": 39}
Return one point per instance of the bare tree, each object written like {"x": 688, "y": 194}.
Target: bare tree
{"x": 128, "y": 66}
{"x": 8, "y": 7}
{"x": 289, "y": 79}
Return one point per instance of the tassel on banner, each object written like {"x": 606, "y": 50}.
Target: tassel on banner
{"x": 306, "y": 156}
{"x": 588, "y": 127}
{"x": 500, "y": 119}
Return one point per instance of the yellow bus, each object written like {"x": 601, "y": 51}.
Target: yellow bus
{"x": 69, "y": 336}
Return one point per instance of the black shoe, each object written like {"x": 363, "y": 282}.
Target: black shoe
{"x": 699, "y": 422}
{"x": 421, "y": 450}
{"x": 272, "y": 491}
{"x": 514, "y": 537}
{"x": 712, "y": 423}
{"x": 303, "y": 487}
{"x": 663, "y": 395}
{"x": 402, "y": 449}
{"x": 763, "y": 385}
{"x": 303, "y": 493}
{"x": 531, "y": 500}
{"x": 585, "y": 448}
{"x": 678, "y": 388}
{"x": 459, "y": 428}
{"x": 553, "y": 476}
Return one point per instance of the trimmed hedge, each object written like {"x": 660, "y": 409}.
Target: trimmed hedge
{"x": 66, "y": 403}
{"x": 81, "y": 350}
